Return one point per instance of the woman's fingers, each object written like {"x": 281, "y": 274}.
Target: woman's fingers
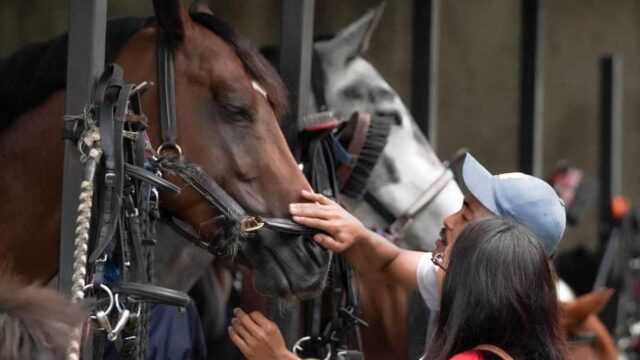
{"x": 237, "y": 340}
{"x": 260, "y": 319}
{"x": 328, "y": 242}
{"x": 311, "y": 196}
{"x": 312, "y": 210}
{"x": 315, "y": 223}
{"x": 242, "y": 330}
{"x": 248, "y": 323}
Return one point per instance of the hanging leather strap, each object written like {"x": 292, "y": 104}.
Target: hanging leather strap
{"x": 167, "y": 92}
{"x": 495, "y": 350}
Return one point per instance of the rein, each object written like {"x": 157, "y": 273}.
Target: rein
{"x": 172, "y": 160}
{"x": 399, "y": 225}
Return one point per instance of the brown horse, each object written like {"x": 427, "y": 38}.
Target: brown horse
{"x": 228, "y": 101}
{"x": 580, "y": 320}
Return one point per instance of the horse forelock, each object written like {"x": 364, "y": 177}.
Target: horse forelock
{"x": 255, "y": 64}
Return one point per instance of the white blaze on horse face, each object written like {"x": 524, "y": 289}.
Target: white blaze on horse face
{"x": 408, "y": 165}
{"x": 256, "y": 86}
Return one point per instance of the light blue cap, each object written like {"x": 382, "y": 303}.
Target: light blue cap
{"x": 517, "y": 196}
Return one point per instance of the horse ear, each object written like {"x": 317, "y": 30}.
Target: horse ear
{"x": 354, "y": 39}
{"x": 200, "y": 6}
{"x": 172, "y": 18}
{"x": 577, "y": 311}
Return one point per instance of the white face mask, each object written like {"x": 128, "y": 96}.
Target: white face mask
{"x": 428, "y": 282}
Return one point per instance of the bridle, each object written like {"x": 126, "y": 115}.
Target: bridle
{"x": 399, "y": 225}
{"x": 172, "y": 160}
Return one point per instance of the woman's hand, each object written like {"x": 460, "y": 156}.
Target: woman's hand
{"x": 257, "y": 337}
{"x": 341, "y": 229}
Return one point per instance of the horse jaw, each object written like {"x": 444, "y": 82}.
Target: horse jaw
{"x": 408, "y": 164}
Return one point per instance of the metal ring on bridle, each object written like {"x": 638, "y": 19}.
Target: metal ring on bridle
{"x": 251, "y": 224}
{"x": 176, "y": 147}
{"x": 106, "y": 289}
{"x": 298, "y": 347}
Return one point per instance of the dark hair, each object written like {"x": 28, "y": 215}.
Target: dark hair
{"x": 499, "y": 289}
{"x": 33, "y": 73}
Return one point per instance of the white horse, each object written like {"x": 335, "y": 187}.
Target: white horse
{"x": 408, "y": 165}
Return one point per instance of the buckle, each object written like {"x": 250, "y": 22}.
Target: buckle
{"x": 251, "y": 224}
{"x": 174, "y": 147}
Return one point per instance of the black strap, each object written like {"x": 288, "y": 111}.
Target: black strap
{"x": 318, "y": 80}
{"x": 150, "y": 178}
{"x": 148, "y": 293}
{"x": 166, "y": 91}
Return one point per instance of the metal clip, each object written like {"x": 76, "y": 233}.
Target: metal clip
{"x": 103, "y": 320}
{"x": 133, "y": 213}
{"x": 298, "y": 349}
{"x": 251, "y": 224}
{"x": 110, "y": 179}
{"x": 122, "y": 321}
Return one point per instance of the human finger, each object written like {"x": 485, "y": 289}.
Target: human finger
{"x": 312, "y": 210}
{"x": 248, "y": 323}
{"x": 237, "y": 340}
{"x": 242, "y": 330}
{"x": 318, "y": 224}
{"x": 260, "y": 319}
{"x": 311, "y": 196}
{"x": 328, "y": 242}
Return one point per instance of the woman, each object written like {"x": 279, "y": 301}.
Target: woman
{"x": 498, "y": 301}
{"x": 497, "y": 289}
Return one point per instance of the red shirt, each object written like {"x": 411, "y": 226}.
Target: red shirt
{"x": 468, "y": 355}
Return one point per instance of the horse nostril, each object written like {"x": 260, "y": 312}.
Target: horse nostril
{"x": 394, "y": 115}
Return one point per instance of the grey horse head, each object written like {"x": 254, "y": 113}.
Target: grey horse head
{"x": 408, "y": 164}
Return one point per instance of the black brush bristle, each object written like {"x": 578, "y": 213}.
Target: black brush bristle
{"x": 374, "y": 144}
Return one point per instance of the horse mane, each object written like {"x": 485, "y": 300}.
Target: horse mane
{"x": 35, "y": 322}
{"x": 37, "y": 70}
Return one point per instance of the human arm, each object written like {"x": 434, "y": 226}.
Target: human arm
{"x": 369, "y": 253}
{"x": 257, "y": 337}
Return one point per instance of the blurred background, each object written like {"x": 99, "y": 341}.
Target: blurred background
{"x": 478, "y": 71}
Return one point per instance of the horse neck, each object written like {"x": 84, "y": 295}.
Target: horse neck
{"x": 31, "y": 152}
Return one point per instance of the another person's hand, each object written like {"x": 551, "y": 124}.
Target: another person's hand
{"x": 341, "y": 229}
{"x": 257, "y": 337}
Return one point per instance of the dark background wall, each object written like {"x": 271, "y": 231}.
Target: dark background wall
{"x": 478, "y": 69}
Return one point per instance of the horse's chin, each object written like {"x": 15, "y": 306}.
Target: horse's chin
{"x": 285, "y": 274}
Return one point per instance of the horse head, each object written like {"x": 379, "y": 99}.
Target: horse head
{"x": 408, "y": 165}
{"x": 228, "y": 102}
{"x": 579, "y": 317}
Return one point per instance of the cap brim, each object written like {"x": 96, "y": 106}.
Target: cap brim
{"x": 474, "y": 179}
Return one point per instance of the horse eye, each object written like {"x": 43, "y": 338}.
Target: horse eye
{"x": 381, "y": 94}
{"x": 237, "y": 113}
{"x": 353, "y": 92}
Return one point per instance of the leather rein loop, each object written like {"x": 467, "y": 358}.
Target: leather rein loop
{"x": 172, "y": 160}
{"x": 398, "y": 226}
